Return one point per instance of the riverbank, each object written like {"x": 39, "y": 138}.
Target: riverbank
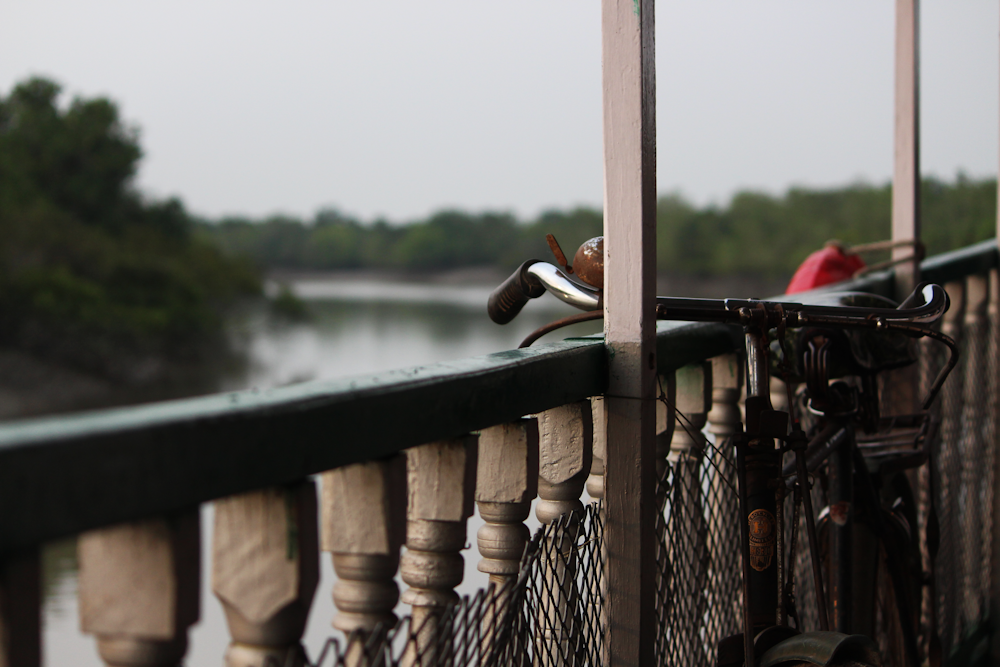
{"x": 667, "y": 284}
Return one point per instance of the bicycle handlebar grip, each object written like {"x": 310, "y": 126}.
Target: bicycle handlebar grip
{"x": 509, "y": 298}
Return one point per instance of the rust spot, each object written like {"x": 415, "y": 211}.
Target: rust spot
{"x": 588, "y": 264}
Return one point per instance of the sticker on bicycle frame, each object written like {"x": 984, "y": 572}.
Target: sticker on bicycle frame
{"x": 762, "y": 537}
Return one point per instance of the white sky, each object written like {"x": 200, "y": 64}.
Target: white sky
{"x": 402, "y": 107}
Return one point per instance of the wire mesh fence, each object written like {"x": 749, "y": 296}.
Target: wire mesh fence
{"x": 553, "y": 613}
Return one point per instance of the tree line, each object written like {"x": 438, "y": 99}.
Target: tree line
{"x": 92, "y": 272}
{"x": 753, "y": 234}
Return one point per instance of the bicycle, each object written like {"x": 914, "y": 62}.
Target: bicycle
{"x": 834, "y": 347}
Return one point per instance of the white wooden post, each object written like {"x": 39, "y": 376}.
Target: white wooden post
{"x": 629, "y": 94}
{"x": 906, "y": 170}
{"x": 139, "y": 586}
{"x": 565, "y": 446}
{"x": 440, "y": 489}
{"x": 265, "y": 568}
{"x": 363, "y": 523}
{"x": 20, "y": 610}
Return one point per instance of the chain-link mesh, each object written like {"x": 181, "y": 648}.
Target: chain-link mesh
{"x": 957, "y": 496}
{"x": 553, "y": 614}
{"x": 699, "y": 591}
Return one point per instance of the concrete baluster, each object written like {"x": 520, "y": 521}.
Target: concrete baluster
{"x": 139, "y": 586}
{"x": 363, "y": 524}
{"x": 265, "y": 568}
{"x": 666, "y": 423}
{"x": 441, "y": 485}
{"x": 722, "y": 511}
{"x": 20, "y": 610}
{"x": 948, "y": 481}
{"x": 565, "y": 447}
{"x": 595, "y": 482}
{"x": 506, "y": 483}
{"x": 687, "y": 545}
{"x": 595, "y": 487}
{"x": 972, "y": 450}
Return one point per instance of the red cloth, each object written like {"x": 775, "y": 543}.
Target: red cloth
{"x": 829, "y": 265}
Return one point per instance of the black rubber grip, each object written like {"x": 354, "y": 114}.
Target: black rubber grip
{"x": 509, "y": 298}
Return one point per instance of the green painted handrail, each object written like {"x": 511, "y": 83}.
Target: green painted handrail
{"x": 63, "y": 475}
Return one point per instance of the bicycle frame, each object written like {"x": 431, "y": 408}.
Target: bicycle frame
{"x": 761, "y": 480}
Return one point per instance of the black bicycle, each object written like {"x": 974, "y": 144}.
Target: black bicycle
{"x": 833, "y": 449}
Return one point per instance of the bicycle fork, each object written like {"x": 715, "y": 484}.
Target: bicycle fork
{"x": 758, "y": 469}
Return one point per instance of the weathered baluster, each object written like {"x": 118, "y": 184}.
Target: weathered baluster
{"x": 992, "y": 416}
{"x": 363, "y": 520}
{"x": 265, "y": 568}
{"x": 972, "y": 449}
{"x": 666, "y": 423}
{"x": 506, "y": 483}
{"x": 948, "y": 481}
{"x": 20, "y": 610}
{"x": 595, "y": 488}
{"x": 595, "y": 481}
{"x": 687, "y": 544}
{"x": 565, "y": 449}
{"x": 724, "y": 421}
{"x": 139, "y": 589}
{"x": 441, "y": 484}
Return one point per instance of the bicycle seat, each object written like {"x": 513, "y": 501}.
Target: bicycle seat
{"x": 852, "y": 351}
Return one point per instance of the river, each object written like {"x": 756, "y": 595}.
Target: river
{"x": 353, "y": 327}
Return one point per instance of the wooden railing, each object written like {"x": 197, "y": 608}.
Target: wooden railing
{"x": 403, "y": 455}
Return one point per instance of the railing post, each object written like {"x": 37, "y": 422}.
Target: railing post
{"x": 629, "y": 100}
{"x": 906, "y": 166}
{"x": 265, "y": 568}
{"x": 139, "y": 587}
{"x": 20, "y": 610}
{"x": 363, "y": 520}
{"x": 440, "y": 489}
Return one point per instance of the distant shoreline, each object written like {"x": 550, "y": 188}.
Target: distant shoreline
{"x": 735, "y": 286}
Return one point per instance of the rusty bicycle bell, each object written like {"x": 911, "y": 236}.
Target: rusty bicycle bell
{"x": 588, "y": 263}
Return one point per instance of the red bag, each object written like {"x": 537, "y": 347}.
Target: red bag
{"x": 829, "y": 265}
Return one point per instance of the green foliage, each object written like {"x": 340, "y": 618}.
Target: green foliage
{"x": 90, "y": 271}
{"x": 755, "y": 234}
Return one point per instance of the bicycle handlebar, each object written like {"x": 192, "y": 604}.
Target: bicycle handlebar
{"x": 531, "y": 280}
{"x": 740, "y": 311}
{"x": 534, "y": 278}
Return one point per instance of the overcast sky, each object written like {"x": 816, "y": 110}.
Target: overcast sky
{"x": 402, "y": 107}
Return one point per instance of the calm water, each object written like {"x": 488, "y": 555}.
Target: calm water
{"x": 355, "y": 327}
